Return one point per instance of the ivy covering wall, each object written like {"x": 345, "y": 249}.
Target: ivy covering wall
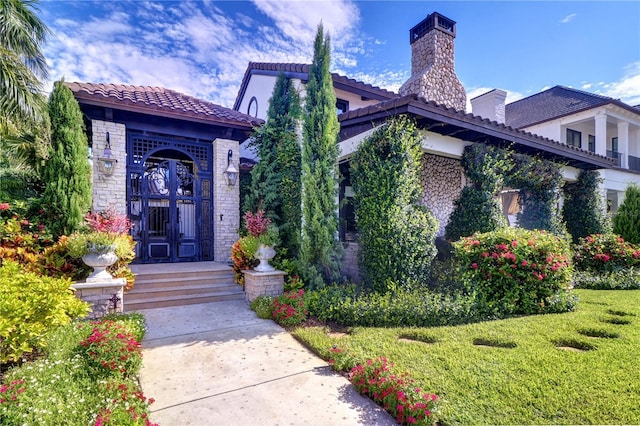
{"x": 583, "y": 210}
{"x": 396, "y": 234}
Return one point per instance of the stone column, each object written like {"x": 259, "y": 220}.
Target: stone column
{"x": 226, "y": 200}
{"x": 109, "y": 190}
{"x": 601, "y": 134}
{"x": 623, "y": 143}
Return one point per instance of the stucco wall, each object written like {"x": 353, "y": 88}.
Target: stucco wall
{"x": 442, "y": 180}
{"x": 226, "y": 199}
{"x": 109, "y": 190}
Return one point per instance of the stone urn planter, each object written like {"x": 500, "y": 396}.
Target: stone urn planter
{"x": 264, "y": 254}
{"x": 100, "y": 262}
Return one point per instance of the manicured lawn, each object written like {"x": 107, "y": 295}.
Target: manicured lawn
{"x": 526, "y": 378}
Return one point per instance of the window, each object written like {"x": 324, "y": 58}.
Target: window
{"x": 252, "y": 109}
{"x": 342, "y": 106}
{"x": 614, "y": 145}
{"x": 574, "y": 138}
{"x": 592, "y": 143}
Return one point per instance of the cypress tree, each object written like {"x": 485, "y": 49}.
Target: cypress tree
{"x": 275, "y": 180}
{"x": 626, "y": 222}
{"x": 583, "y": 210}
{"x": 320, "y": 251}
{"x": 67, "y": 173}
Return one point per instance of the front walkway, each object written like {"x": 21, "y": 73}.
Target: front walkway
{"x": 218, "y": 364}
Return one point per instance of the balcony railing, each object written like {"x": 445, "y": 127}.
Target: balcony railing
{"x": 634, "y": 163}
{"x": 615, "y": 155}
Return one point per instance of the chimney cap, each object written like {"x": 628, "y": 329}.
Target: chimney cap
{"x": 431, "y": 22}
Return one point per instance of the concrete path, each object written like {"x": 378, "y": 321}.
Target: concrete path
{"x": 219, "y": 364}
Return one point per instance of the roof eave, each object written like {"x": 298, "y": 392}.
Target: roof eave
{"x": 162, "y": 112}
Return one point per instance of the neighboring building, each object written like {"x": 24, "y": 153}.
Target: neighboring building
{"x": 434, "y": 96}
{"x": 599, "y": 124}
{"x": 160, "y": 157}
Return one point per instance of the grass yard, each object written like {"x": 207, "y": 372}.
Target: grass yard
{"x": 581, "y": 367}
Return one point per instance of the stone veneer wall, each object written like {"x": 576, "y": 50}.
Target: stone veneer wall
{"x": 433, "y": 75}
{"x": 226, "y": 200}
{"x": 442, "y": 179}
{"x": 109, "y": 190}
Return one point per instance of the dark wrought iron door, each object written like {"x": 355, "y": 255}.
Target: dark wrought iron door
{"x": 168, "y": 211}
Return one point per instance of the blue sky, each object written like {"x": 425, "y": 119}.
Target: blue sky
{"x": 202, "y": 48}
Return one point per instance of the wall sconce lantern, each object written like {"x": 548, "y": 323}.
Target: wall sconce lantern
{"x": 231, "y": 173}
{"x": 106, "y": 163}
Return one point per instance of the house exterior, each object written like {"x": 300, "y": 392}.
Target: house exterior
{"x": 434, "y": 97}
{"x": 587, "y": 121}
{"x": 160, "y": 157}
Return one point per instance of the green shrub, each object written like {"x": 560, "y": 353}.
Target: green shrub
{"x": 263, "y": 306}
{"x": 395, "y": 233}
{"x": 583, "y": 209}
{"x": 626, "y": 222}
{"x": 30, "y": 306}
{"x": 289, "y": 309}
{"x": 605, "y": 253}
{"x": 624, "y": 279}
{"x": 515, "y": 271}
{"x": 416, "y": 307}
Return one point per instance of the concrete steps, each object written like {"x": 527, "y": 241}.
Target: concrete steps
{"x": 178, "y": 284}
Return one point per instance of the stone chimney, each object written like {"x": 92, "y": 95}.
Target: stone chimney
{"x": 433, "y": 76}
{"x": 490, "y": 105}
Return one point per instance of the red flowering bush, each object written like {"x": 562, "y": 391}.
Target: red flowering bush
{"x": 514, "y": 270}
{"x": 396, "y": 393}
{"x": 111, "y": 349}
{"x": 289, "y": 309}
{"x": 605, "y": 253}
{"x": 127, "y": 405}
{"x": 108, "y": 220}
{"x": 256, "y": 224}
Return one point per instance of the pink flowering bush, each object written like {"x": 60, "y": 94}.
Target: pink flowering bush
{"x": 111, "y": 349}
{"x": 605, "y": 253}
{"x": 396, "y": 393}
{"x": 516, "y": 271}
{"x": 289, "y": 309}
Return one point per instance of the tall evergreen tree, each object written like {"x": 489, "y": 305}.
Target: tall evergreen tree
{"x": 583, "y": 209}
{"x": 626, "y": 222}
{"x": 275, "y": 180}
{"x": 67, "y": 173}
{"x": 320, "y": 249}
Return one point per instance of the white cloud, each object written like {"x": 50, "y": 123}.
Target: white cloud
{"x": 298, "y": 20}
{"x": 627, "y": 89}
{"x": 568, "y": 18}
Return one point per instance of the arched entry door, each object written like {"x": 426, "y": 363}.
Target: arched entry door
{"x": 165, "y": 206}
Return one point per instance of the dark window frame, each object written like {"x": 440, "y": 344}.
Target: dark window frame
{"x": 592, "y": 143}
{"x": 342, "y": 106}
{"x": 572, "y": 135}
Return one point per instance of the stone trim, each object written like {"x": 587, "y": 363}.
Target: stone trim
{"x": 99, "y": 295}
{"x": 109, "y": 190}
{"x": 226, "y": 199}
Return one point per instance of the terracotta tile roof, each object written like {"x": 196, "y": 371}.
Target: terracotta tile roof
{"x": 468, "y": 127}
{"x": 302, "y": 71}
{"x": 160, "y": 101}
{"x": 553, "y": 103}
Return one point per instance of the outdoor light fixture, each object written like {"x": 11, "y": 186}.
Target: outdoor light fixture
{"x": 231, "y": 173}
{"x": 106, "y": 163}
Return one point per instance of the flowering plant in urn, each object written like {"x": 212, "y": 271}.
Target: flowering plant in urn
{"x": 265, "y": 233}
